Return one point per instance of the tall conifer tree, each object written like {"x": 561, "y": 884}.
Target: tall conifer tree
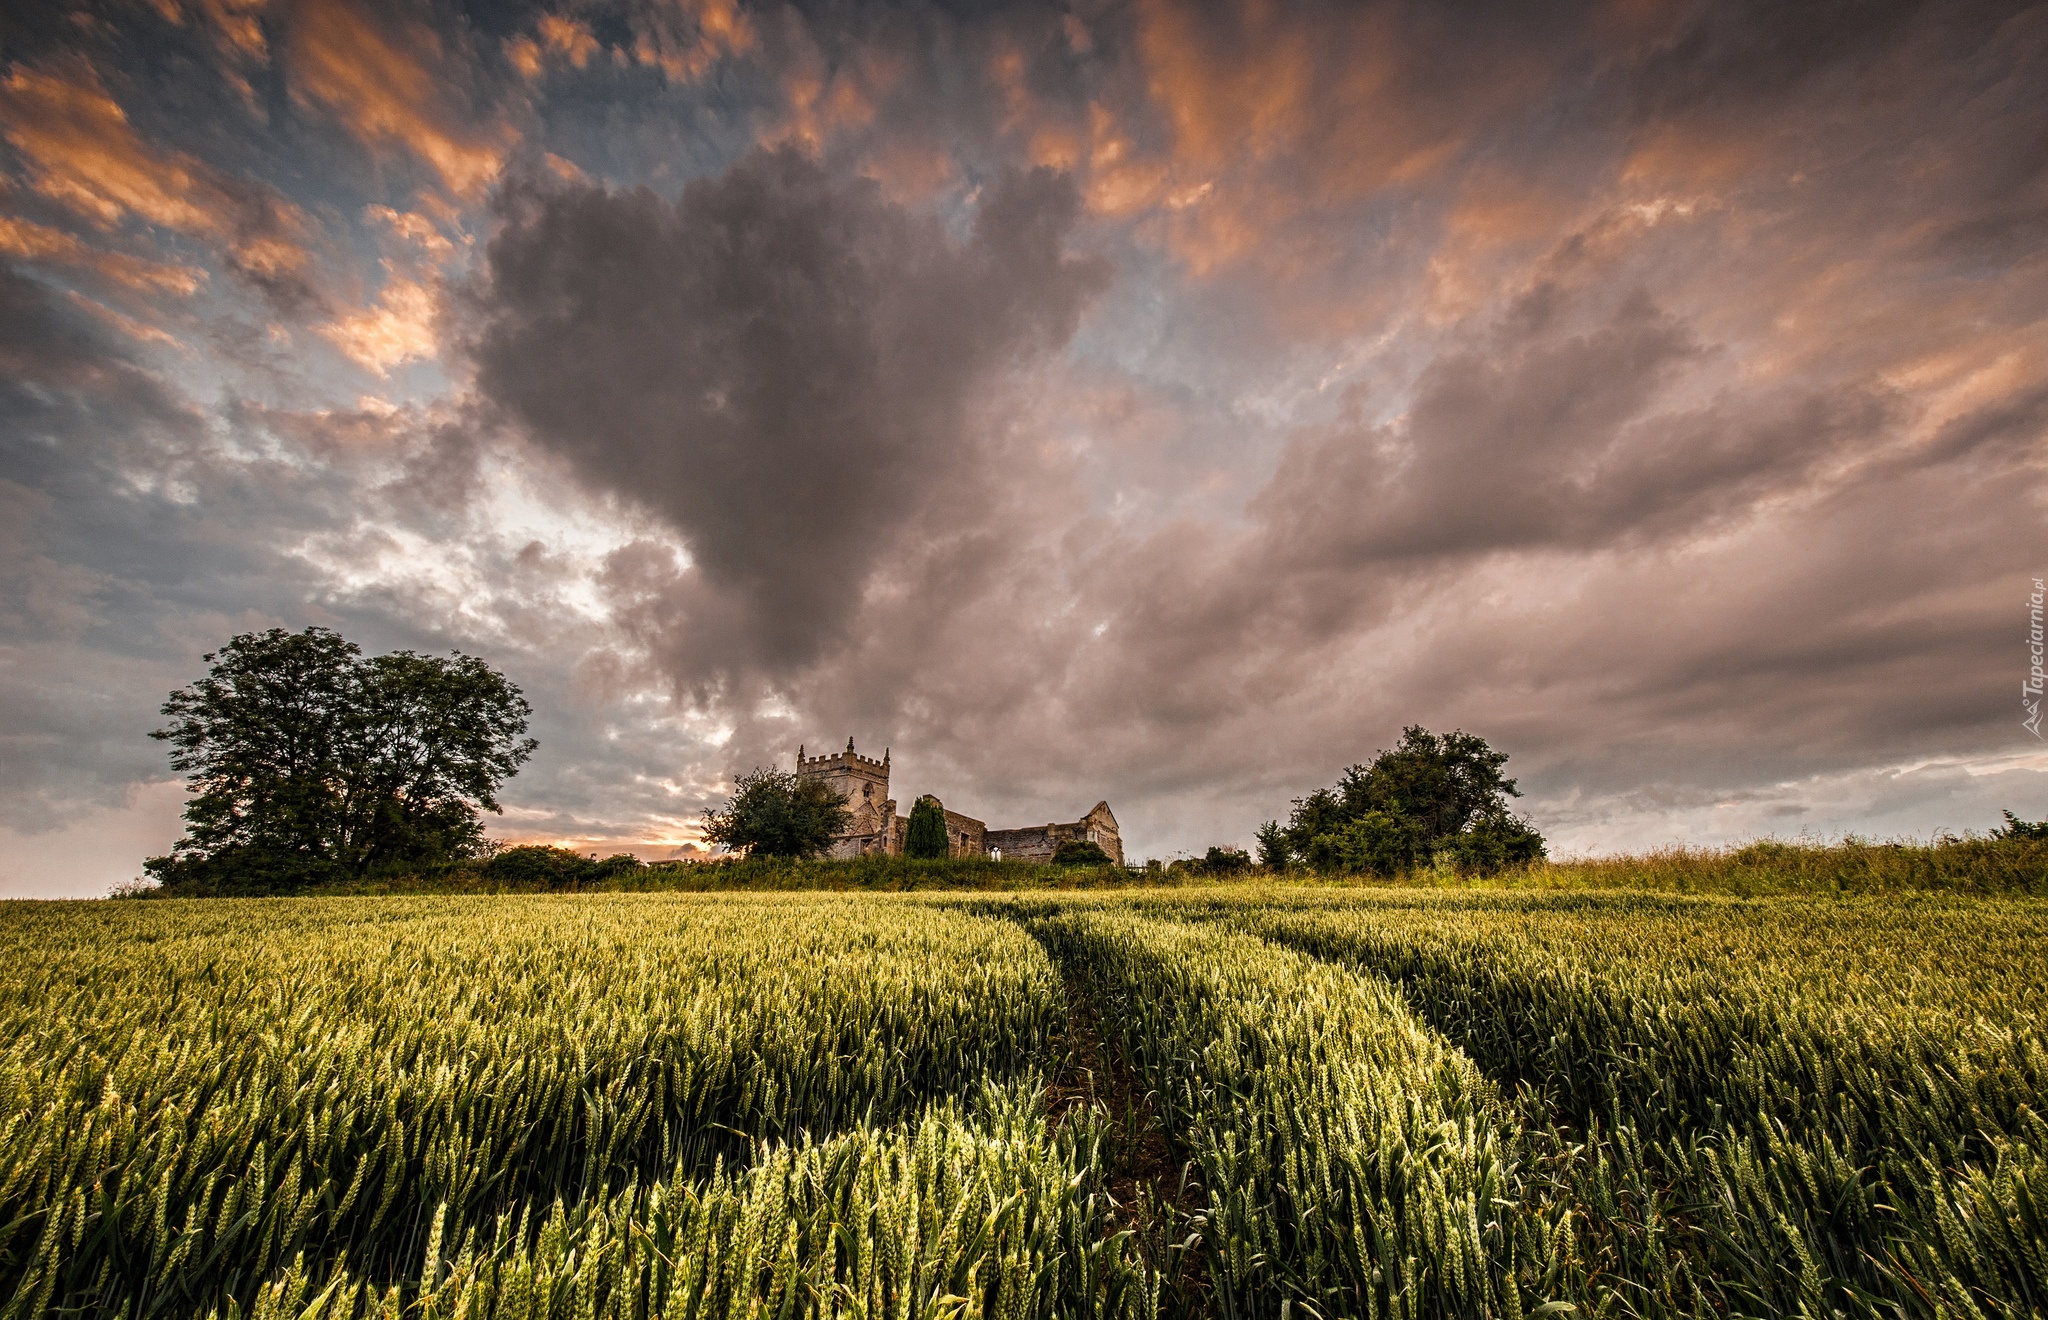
{"x": 926, "y": 836}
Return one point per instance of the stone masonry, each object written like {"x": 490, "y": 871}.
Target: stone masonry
{"x": 1037, "y": 843}
{"x": 877, "y": 830}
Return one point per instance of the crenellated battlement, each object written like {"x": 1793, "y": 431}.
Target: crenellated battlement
{"x": 848, "y": 758}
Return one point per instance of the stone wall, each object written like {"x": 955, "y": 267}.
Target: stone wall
{"x": 1031, "y": 843}
{"x": 964, "y": 835}
{"x": 1037, "y": 843}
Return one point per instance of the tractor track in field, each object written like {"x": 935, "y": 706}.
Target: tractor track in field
{"x": 1153, "y": 1182}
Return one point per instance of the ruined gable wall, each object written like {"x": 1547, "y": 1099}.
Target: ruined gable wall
{"x": 1100, "y": 825}
{"x": 1037, "y": 843}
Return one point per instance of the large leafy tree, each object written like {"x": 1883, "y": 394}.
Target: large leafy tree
{"x": 308, "y": 761}
{"x": 775, "y": 813}
{"x": 1433, "y": 798}
{"x": 429, "y": 736}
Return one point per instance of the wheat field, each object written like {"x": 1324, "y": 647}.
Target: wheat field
{"x": 1256, "y": 1102}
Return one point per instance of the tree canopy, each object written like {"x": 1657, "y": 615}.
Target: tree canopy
{"x": 309, "y": 761}
{"x": 925, "y": 836}
{"x": 541, "y": 864}
{"x": 777, "y": 813}
{"x": 1222, "y": 859}
{"x": 1433, "y": 799}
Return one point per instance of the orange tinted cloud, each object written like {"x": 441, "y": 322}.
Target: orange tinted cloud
{"x": 236, "y": 23}
{"x": 122, "y": 322}
{"x": 1693, "y": 158}
{"x": 1258, "y": 115}
{"x": 1339, "y": 96}
{"x": 1121, "y": 180}
{"x": 907, "y": 171}
{"x": 415, "y": 229}
{"x": 79, "y": 149}
{"x": 685, "y": 38}
{"x": 400, "y": 328}
{"x": 29, "y": 241}
{"x": 568, "y": 38}
{"x": 386, "y": 93}
{"x": 1495, "y": 218}
{"x": 820, "y": 107}
{"x": 1007, "y": 70}
{"x": 554, "y": 35}
{"x": 822, "y": 102}
{"x": 524, "y": 52}
{"x": 237, "y": 37}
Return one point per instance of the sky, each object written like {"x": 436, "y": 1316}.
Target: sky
{"x": 1155, "y": 402}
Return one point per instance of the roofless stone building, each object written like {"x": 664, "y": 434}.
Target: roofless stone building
{"x": 877, "y": 830}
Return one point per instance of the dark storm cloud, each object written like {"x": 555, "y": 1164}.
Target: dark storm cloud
{"x": 782, "y": 364}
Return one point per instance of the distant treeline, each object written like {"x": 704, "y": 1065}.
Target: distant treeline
{"x": 534, "y": 868}
{"x": 2009, "y": 862}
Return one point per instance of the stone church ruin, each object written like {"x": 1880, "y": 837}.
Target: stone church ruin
{"x": 877, "y": 830}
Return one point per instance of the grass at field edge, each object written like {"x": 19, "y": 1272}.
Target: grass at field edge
{"x": 2016, "y": 867}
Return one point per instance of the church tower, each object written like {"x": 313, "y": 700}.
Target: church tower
{"x": 863, "y": 783}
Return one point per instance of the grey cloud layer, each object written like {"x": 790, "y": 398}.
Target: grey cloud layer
{"x": 782, "y": 364}
{"x": 1660, "y": 391}
{"x": 1719, "y": 573}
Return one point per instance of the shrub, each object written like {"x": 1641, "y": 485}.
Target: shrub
{"x": 2015, "y": 828}
{"x": 1493, "y": 843}
{"x": 1080, "y": 852}
{"x": 1225, "y": 860}
{"x": 242, "y": 869}
{"x": 538, "y": 864}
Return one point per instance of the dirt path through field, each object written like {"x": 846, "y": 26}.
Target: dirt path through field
{"x": 1156, "y": 1186}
